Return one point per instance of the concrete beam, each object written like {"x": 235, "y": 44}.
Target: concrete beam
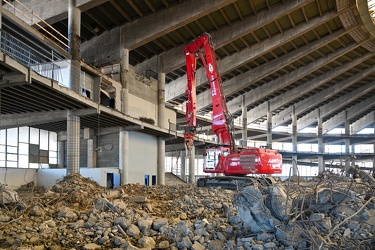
{"x": 302, "y": 106}
{"x": 264, "y": 91}
{"x": 153, "y": 26}
{"x": 175, "y": 58}
{"x": 35, "y": 118}
{"x": 338, "y": 104}
{"x": 133, "y": 128}
{"x": 308, "y": 103}
{"x": 362, "y": 123}
{"x": 13, "y": 65}
{"x": 147, "y": 29}
{"x": 359, "y": 108}
{"x": 84, "y": 112}
{"x": 13, "y": 79}
{"x": 31, "y": 119}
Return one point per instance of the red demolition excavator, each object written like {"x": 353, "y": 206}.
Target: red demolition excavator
{"x": 234, "y": 163}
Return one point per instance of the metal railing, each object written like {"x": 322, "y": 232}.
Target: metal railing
{"x": 29, "y": 56}
{"x": 29, "y": 16}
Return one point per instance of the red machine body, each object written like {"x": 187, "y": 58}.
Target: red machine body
{"x": 225, "y": 158}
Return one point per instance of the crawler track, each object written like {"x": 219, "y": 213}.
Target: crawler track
{"x": 235, "y": 182}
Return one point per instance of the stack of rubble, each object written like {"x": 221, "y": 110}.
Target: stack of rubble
{"x": 329, "y": 212}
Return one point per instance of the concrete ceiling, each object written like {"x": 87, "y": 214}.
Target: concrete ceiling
{"x": 311, "y": 57}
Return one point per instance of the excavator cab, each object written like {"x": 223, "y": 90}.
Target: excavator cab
{"x": 213, "y": 156}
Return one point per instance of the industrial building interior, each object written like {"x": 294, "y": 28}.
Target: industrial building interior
{"x": 302, "y": 66}
{"x": 297, "y": 77}
{"x": 187, "y": 124}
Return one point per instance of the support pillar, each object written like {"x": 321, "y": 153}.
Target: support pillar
{"x": 61, "y": 154}
{"x": 90, "y": 153}
{"x": 74, "y": 35}
{"x": 88, "y": 135}
{"x": 72, "y": 144}
{"x": 161, "y": 162}
{"x": 321, "y": 164}
{"x": 269, "y": 126}
{"x": 124, "y": 72}
{"x": 161, "y": 94}
{"x": 1, "y": 16}
{"x": 347, "y": 133}
{"x": 373, "y": 161}
{"x": 183, "y": 165}
{"x": 124, "y": 156}
{"x": 294, "y": 138}
{"x": 244, "y": 122}
{"x": 96, "y": 90}
{"x": 192, "y": 165}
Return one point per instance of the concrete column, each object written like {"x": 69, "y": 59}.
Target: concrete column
{"x": 124, "y": 156}
{"x": 161, "y": 94}
{"x": 192, "y": 165}
{"x": 161, "y": 162}
{"x": 269, "y": 126}
{"x": 1, "y": 15}
{"x": 294, "y": 137}
{"x": 124, "y": 72}
{"x": 72, "y": 144}
{"x": 244, "y": 122}
{"x": 373, "y": 162}
{"x": 347, "y": 133}
{"x": 61, "y": 154}
{"x": 96, "y": 90}
{"x": 90, "y": 153}
{"x": 88, "y": 135}
{"x": 74, "y": 34}
{"x": 183, "y": 165}
{"x": 321, "y": 164}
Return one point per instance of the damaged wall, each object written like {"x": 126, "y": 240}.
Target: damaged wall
{"x": 143, "y": 94}
{"x": 104, "y": 49}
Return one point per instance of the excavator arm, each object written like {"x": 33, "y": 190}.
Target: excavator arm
{"x": 222, "y": 123}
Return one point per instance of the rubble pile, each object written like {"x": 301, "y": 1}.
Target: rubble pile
{"x": 328, "y": 212}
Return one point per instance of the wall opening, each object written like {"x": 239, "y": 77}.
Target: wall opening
{"x": 147, "y": 180}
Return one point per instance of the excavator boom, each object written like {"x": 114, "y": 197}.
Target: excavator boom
{"x": 222, "y": 123}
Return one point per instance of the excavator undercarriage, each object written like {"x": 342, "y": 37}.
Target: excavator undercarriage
{"x": 235, "y": 182}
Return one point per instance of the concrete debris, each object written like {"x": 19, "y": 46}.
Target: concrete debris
{"x": 253, "y": 211}
{"x": 7, "y": 196}
{"x": 328, "y": 212}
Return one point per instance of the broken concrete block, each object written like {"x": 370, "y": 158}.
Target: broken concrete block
{"x": 290, "y": 236}
{"x": 104, "y": 205}
{"x": 146, "y": 241}
{"x": 159, "y": 223}
{"x": 276, "y": 202}
{"x": 346, "y": 232}
{"x": 197, "y": 246}
{"x": 139, "y": 199}
{"x": 8, "y": 196}
{"x": 252, "y": 211}
{"x": 316, "y": 217}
